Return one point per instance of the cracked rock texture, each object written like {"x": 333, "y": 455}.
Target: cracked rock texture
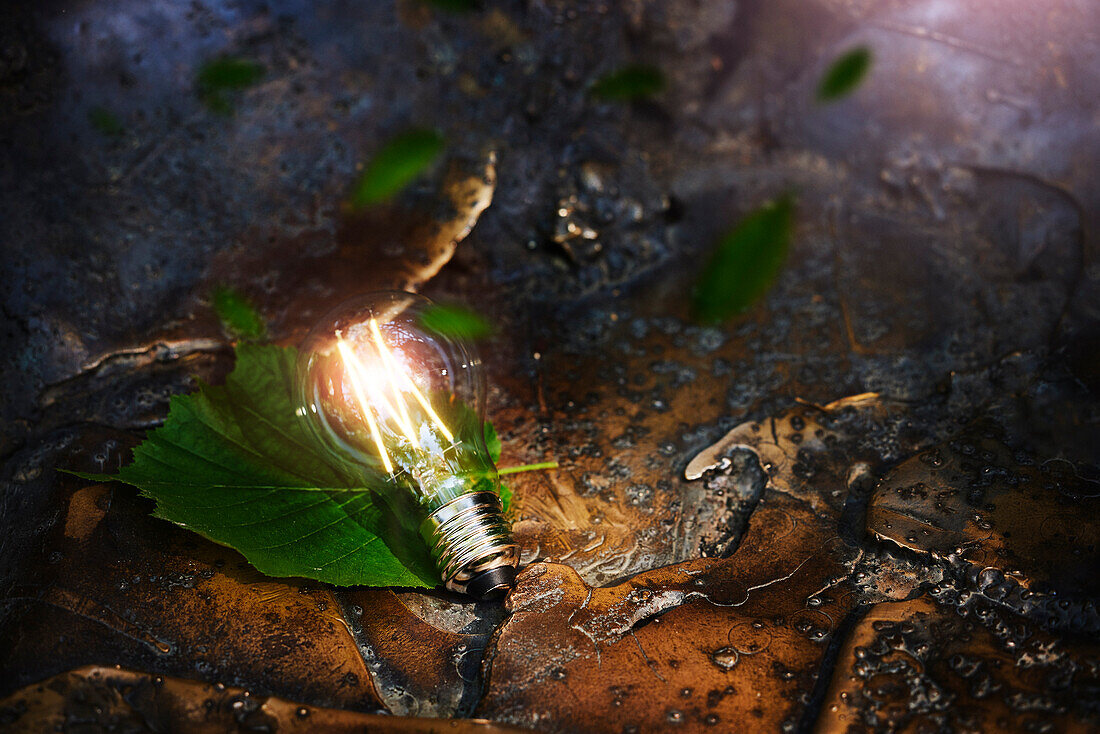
{"x": 867, "y": 504}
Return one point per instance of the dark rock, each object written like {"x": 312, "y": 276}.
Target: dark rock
{"x": 943, "y": 272}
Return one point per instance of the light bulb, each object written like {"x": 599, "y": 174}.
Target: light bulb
{"x": 406, "y": 403}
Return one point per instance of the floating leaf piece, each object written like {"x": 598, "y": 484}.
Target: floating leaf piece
{"x": 399, "y": 161}
{"x": 630, "y": 82}
{"x": 455, "y": 321}
{"x": 237, "y": 314}
{"x": 105, "y": 121}
{"x": 455, "y": 6}
{"x": 745, "y": 262}
{"x": 235, "y": 464}
{"x": 844, "y": 75}
{"x": 229, "y": 72}
{"x": 223, "y": 75}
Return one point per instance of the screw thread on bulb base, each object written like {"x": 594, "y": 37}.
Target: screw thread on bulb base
{"x": 472, "y": 545}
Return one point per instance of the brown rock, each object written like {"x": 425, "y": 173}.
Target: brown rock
{"x": 712, "y": 644}
{"x": 916, "y": 666}
{"x": 1014, "y": 523}
{"x": 115, "y": 699}
{"x": 424, "y": 649}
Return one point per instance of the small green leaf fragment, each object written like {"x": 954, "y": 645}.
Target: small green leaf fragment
{"x": 505, "y": 497}
{"x": 218, "y": 77}
{"x": 492, "y": 441}
{"x": 393, "y": 167}
{"x": 745, "y": 262}
{"x": 454, "y": 6}
{"x": 456, "y": 322}
{"x": 636, "y": 81}
{"x": 238, "y": 316}
{"x": 105, "y": 122}
{"x": 845, "y": 74}
{"x": 229, "y": 72}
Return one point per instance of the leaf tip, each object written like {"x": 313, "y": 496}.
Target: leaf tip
{"x": 219, "y": 77}
{"x": 745, "y": 262}
{"x": 631, "y": 82}
{"x": 844, "y": 74}
{"x": 238, "y": 316}
{"x": 456, "y": 322}
{"x": 396, "y": 164}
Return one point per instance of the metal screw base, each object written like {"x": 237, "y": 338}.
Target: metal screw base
{"x": 472, "y": 545}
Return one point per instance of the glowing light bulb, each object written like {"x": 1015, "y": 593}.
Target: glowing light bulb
{"x": 387, "y": 394}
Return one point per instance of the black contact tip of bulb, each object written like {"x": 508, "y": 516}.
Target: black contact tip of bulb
{"x": 491, "y": 584}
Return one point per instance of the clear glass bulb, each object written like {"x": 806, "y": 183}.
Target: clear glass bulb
{"x": 406, "y": 403}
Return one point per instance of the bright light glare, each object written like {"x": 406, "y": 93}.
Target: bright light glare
{"x": 356, "y": 373}
{"x": 397, "y": 372}
{"x": 384, "y": 391}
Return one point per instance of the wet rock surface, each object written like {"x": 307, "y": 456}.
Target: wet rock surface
{"x": 867, "y": 504}
{"x": 921, "y": 666}
{"x": 1023, "y": 532}
{"x": 115, "y": 699}
{"x": 725, "y": 642}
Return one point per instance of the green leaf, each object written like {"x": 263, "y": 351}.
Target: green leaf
{"x": 844, "y": 74}
{"x": 745, "y": 262}
{"x": 492, "y": 441}
{"x": 238, "y": 316}
{"x": 235, "y": 464}
{"x": 455, "y": 321}
{"x": 229, "y": 72}
{"x": 218, "y": 77}
{"x": 636, "y": 81}
{"x": 106, "y": 122}
{"x": 455, "y": 6}
{"x": 399, "y": 161}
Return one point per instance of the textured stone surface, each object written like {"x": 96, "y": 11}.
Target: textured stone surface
{"x": 115, "y": 699}
{"x": 1026, "y": 533}
{"x": 732, "y": 644}
{"x": 917, "y": 666}
{"x": 740, "y": 510}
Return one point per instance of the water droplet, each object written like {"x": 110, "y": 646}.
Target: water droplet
{"x": 725, "y": 658}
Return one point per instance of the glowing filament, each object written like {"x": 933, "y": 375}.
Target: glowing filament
{"x": 355, "y": 372}
{"x": 395, "y": 370}
{"x": 392, "y": 372}
{"x": 398, "y": 382}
